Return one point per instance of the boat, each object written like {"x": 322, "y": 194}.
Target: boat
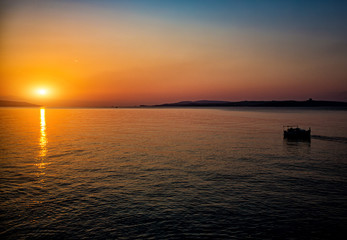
{"x": 296, "y": 133}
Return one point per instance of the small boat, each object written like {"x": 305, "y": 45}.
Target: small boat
{"x": 296, "y": 133}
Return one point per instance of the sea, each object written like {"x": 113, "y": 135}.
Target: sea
{"x": 172, "y": 173}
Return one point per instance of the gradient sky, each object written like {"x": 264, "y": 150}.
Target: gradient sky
{"x": 103, "y": 53}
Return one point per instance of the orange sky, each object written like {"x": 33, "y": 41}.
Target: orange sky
{"x": 93, "y": 54}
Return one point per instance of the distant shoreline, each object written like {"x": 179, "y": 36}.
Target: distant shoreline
{"x": 4, "y": 103}
{"x": 288, "y": 103}
{"x": 209, "y": 104}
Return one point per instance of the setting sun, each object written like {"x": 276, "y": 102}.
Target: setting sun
{"x": 42, "y": 91}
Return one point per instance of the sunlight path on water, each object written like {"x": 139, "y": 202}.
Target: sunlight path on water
{"x": 41, "y": 165}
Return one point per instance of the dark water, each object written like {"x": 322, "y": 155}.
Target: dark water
{"x": 171, "y": 174}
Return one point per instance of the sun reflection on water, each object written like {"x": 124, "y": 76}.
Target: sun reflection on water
{"x": 43, "y": 140}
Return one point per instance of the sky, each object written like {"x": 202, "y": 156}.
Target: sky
{"x": 126, "y": 53}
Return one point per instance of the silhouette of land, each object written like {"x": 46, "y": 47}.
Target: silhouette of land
{"x": 289, "y": 103}
{"x": 5, "y": 103}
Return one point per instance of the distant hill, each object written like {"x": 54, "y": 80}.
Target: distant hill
{"x": 289, "y": 103}
{"x": 4, "y": 103}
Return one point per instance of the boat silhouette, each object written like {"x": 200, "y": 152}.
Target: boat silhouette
{"x": 296, "y": 133}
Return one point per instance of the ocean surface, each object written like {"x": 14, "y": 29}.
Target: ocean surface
{"x": 172, "y": 174}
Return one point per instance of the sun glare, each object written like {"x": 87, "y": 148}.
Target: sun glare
{"x": 42, "y": 91}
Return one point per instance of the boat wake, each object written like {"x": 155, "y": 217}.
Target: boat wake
{"x": 327, "y": 138}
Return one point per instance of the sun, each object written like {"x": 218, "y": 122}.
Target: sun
{"x": 42, "y": 91}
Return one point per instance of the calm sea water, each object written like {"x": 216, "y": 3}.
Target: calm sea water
{"x": 171, "y": 174}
